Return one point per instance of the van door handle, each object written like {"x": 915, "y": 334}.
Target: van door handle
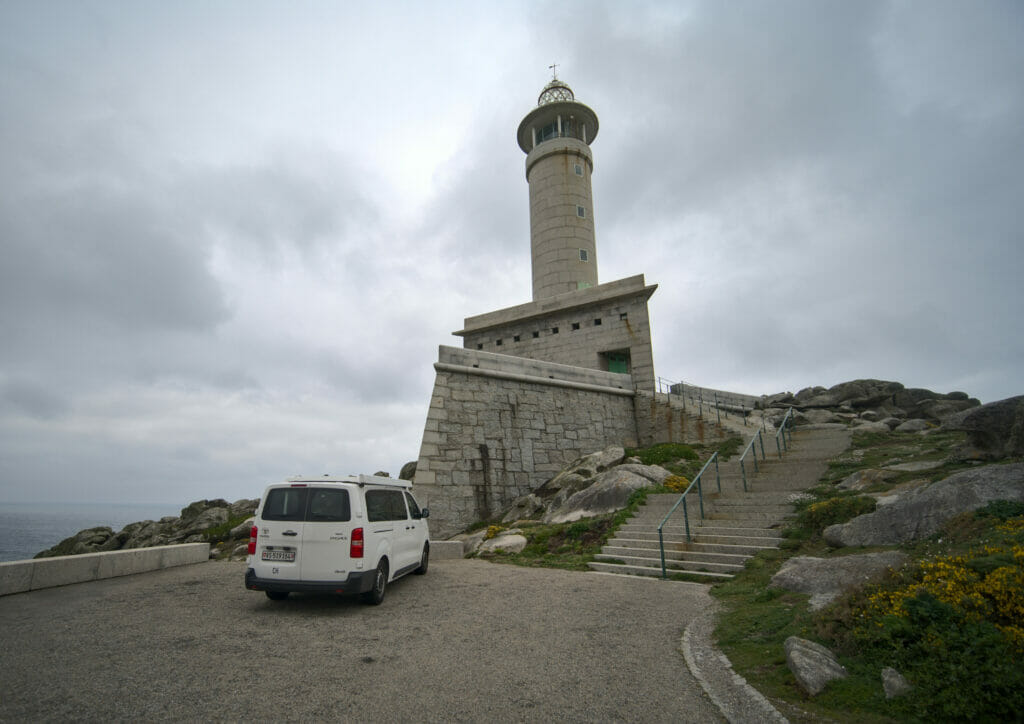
{"x": 289, "y": 532}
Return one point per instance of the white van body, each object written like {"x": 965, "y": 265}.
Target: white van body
{"x": 351, "y": 534}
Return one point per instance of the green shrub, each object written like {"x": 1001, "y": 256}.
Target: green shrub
{"x": 662, "y": 453}
{"x": 816, "y": 516}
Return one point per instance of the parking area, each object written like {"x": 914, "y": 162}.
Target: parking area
{"x": 470, "y": 641}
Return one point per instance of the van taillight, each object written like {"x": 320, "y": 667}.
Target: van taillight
{"x": 252, "y": 539}
{"x": 356, "y": 549}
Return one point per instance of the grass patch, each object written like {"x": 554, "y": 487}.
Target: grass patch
{"x": 219, "y": 533}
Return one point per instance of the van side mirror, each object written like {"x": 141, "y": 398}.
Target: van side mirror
{"x": 424, "y": 513}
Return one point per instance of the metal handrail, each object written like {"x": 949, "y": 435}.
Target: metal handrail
{"x": 743, "y": 469}
{"x": 783, "y": 432}
{"x": 686, "y": 516}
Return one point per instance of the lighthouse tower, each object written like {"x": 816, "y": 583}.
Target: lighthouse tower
{"x": 556, "y": 137}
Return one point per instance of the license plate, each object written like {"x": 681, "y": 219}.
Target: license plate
{"x": 287, "y": 556}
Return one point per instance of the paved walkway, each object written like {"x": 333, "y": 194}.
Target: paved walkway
{"x": 470, "y": 641}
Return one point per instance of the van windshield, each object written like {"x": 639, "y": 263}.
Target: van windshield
{"x": 307, "y": 504}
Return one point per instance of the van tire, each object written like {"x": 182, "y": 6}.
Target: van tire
{"x": 380, "y": 582}
{"x": 277, "y": 595}
{"x": 424, "y": 560}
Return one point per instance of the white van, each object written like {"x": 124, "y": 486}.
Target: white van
{"x": 349, "y": 534}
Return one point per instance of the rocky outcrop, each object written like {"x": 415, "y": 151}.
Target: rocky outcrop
{"x": 994, "y": 431}
{"x": 606, "y": 493}
{"x": 813, "y": 665}
{"x": 825, "y": 579}
{"x": 190, "y": 527}
{"x": 919, "y": 513}
{"x": 872, "y": 401}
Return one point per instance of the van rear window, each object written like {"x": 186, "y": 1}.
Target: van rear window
{"x": 307, "y": 504}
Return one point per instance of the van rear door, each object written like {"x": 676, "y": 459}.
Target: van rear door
{"x": 326, "y": 537}
{"x": 280, "y": 530}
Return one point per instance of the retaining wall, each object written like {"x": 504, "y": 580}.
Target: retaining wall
{"x": 500, "y": 426}
{"x": 21, "y": 576}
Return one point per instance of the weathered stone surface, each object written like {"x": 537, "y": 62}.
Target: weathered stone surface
{"x": 916, "y": 425}
{"x": 818, "y": 416}
{"x": 995, "y": 430}
{"x": 894, "y": 683}
{"x": 525, "y": 506}
{"x": 470, "y": 541}
{"x": 916, "y": 466}
{"x": 655, "y": 473}
{"x": 921, "y": 512}
{"x": 813, "y": 665}
{"x": 609, "y": 492}
{"x": 865, "y": 426}
{"x": 408, "y": 471}
{"x": 824, "y": 579}
{"x": 865, "y": 478}
{"x": 511, "y": 541}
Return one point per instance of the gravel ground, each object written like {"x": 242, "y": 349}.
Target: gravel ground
{"x": 470, "y": 641}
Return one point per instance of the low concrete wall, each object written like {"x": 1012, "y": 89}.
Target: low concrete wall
{"x": 21, "y": 576}
{"x": 447, "y": 550}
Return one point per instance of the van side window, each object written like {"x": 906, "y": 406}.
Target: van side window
{"x": 329, "y": 504}
{"x": 285, "y": 504}
{"x": 385, "y": 505}
{"x": 414, "y": 510}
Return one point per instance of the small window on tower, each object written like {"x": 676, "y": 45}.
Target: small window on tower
{"x": 536, "y": 334}
{"x": 575, "y": 326}
{"x": 597, "y": 322}
{"x": 579, "y": 170}
{"x": 581, "y": 212}
{"x": 554, "y": 330}
{"x": 583, "y": 255}
{"x": 515, "y": 338}
{"x": 623, "y": 315}
{"x": 497, "y": 343}
{"x": 479, "y": 345}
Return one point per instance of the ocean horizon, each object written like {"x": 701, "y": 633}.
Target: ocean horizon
{"x": 29, "y": 528}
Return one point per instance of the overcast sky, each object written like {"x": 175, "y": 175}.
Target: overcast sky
{"x": 233, "y": 234}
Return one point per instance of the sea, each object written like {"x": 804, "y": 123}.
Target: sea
{"x": 28, "y": 528}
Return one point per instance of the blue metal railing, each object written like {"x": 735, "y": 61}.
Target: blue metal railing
{"x": 785, "y": 430}
{"x": 686, "y": 516}
{"x": 751, "y": 446}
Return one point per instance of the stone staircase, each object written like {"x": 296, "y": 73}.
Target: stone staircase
{"x": 736, "y": 524}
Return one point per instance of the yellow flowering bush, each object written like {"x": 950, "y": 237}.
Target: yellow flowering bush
{"x": 493, "y": 530}
{"x": 676, "y": 483}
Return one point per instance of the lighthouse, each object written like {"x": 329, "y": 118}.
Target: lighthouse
{"x": 572, "y": 319}
{"x": 556, "y": 137}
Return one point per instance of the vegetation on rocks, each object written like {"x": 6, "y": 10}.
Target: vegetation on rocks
{"x": 950, "y": 622}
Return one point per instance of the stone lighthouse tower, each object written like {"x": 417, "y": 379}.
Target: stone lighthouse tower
{"x": 556, "y": 137}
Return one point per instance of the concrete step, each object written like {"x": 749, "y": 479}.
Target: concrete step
{"x": 652, "y": 571}
{"x": 633, "y": 530}
{"x": 619, "y": 551}
{"x": 641, "y": 538}
{"x": 674, "y": 564}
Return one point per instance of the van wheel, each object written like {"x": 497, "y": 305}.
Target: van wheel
{"x": 380, "y": 581}
{"x": 277, "y": 595}
{"x": 424, "y": 560}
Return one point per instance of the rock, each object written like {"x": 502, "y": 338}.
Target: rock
{"x": 864, "y": 426}
{"x": 916, "y": 425}
{"x": 916, "y": 466}
{"x": 781, "y": 399}
{"x": 865, "y": 478}
{"x": 609, "y": 492}
{"x": 940, "y": 410}
{"x": 246, "y": 506}
{"x": 920, "y": 512}
{"x": 633, "y": 460}
{"x": 382, "y": 474}
{"x": 242, "y": 530}
{"x": 894, "y": 683}
{"x": 813, "y": 665}
{"x": 824, "y": 579}
{"x": 511, "y": 541}
{"x": 525, "y": 506}
{"x": 192, "y": 510}
{"x": 408, "y": 471}
{"x": 655, "y": 473}
{"x": 817, "y": 417}
{"x": 891, "y": 422}
{"x": 871, "y": 415}
{"x": 995, "y": 430}
{"x": 206, "y": 519}
{"x": 470, "y": 541}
